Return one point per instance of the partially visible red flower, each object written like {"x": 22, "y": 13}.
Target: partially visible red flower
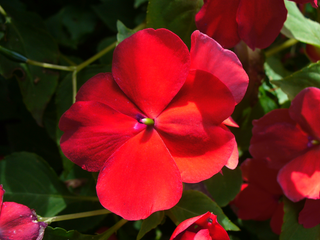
{"x": 313, "y": 52}
{"x": 156, "y": 121}
{"x": 260, "y": 195}
{"x": 289, "y": 139}
{"x": 256, "y": 22}
{"x": 203, "y": 227}
{"x": 18, "y": 222}
{"x": 309, "y": 216}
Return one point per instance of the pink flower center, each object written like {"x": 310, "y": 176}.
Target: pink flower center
{"x": 312, "y": 141}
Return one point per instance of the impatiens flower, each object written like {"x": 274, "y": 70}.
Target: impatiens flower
{"x": 256, "y": 22}
{"x": 203, "y": 227}
{"x": 289, "y": 140}
{"x": 260, "y": 195}
{"x": 156, "y": 121}
{"x": 18, "y": 222}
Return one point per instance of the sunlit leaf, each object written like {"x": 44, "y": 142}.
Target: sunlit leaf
{"x": 299, "y": 27}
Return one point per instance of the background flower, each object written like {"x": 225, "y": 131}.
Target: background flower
{"x": 289, "y": 140}
{"x": 18, "y": 222}
{"x": 256, "y": 22}
{"x": 204, "y": 227}
{"x": 260, "y": 195}
{"x": 155, "y": 122}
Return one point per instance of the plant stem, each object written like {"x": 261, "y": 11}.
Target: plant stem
{"x": 74, "y": 86}
{"x": 73, "y": 216}
{"x": 105, "y": 50}
{"x": 281, "y": 47}
{"x": 113, "y": 229}
{"x": 52, "y": 66}
{"x": 95, "y": 57}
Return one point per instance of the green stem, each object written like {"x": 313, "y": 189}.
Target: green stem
{"x": 51, "y": 66}
{"x": 97, "y": 56}
{"x": 281, "y": 47}
{"x": 113, "y": 229}
{"x": 105, "y": 50}
{"x": 74, "y": 86}
{"x": 73, "y": 216}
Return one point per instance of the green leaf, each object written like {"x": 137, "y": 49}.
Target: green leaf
{"x": 29, "y": 180}
{"x": 306, "y": 77}
{"x": 26, "y": 35}
{"x": 71, "y": 25}
{"x": 123, "y": 31}
{"x": 82, "y": 183}
{"x": 137, "y": 3}
{"x": 261, "y": 229}
{"x": 224, "y": 187}
{"x": 109, "y": 11}
{"x": 175, "y": 15}
{"x": 300, "y": 28}
{"x": 194, "y": 203}
{"x": 61, "y": 234}
{"x": 291, "y": 229}
{"x": 107, "y": 58}
{"x": 150, "y": 223}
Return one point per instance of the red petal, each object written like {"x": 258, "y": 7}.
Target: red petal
{"x": 257, "y": 172}
{"x": 18, "y": 222}
{"x": 140, "y": 178}
{"x": 1, "y": 196}
{"x": 234, "y": 158}
{"x": 277, "y": 138}
{"x": 300, "y": 178}
{"x": 277, "y": 219}
{"x": 255, "y": 203}
{"x": 309, "y": 216}
{"x": 218, "y": 20}
{"x": 150, "y": 67}
{"x": 102, "y": 88}
{"x": 305, "y": 109}
{"x": 185, "y": 224}
{"x": 203, "y": 234}
{"x": 212, "y": 99}
{"x": 93, "y": 131}
{"x": 208, "y": 55}
{"x": 260, "y": 21}
{"x": 230, "y": 122}
{"x": 199, "y": 148}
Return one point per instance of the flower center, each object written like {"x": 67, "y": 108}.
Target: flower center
{"x": 312, "y": 141}
{"x": 147, "y": 121}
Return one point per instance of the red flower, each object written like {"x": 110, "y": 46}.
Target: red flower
{"x": 155, "y": 121}
{"x": 18, "y": 222}
{"x": 289, "y": 140}
{"x": 259, "y": 198}
{"x": 313, "y": 52}
{"x": 309, "y": 216}
{"x": 256, "y": 22}
{"x": 203, "y": 227}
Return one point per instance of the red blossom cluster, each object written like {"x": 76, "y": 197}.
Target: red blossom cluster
{"x": 256, "y": 22}
{"x": 286, "y": 148}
